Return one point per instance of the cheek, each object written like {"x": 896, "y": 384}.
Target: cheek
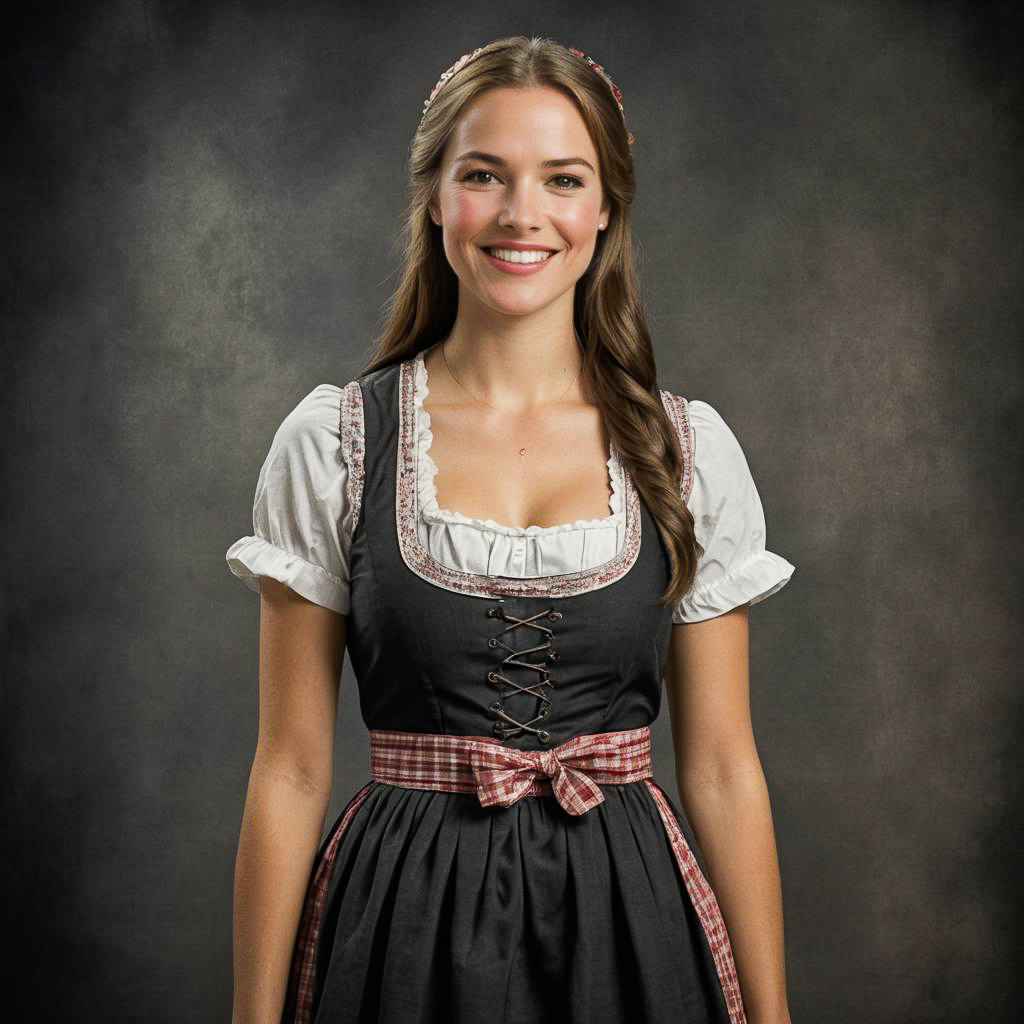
{"x": 467, "y": 212}
{"x": 579, "y": 223}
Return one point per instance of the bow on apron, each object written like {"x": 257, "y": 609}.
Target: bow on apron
{"x": 503, "y": 775}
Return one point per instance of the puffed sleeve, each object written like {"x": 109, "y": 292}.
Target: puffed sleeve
{"x": 735, "y": 567}
{"x": 302, "y": 513}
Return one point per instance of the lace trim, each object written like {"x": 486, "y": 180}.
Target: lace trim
{"x": 416, "y": 556}
{"x": 679, "y": 414}
{"x": 353, "y": 448}
{"x": 427, "y": 487}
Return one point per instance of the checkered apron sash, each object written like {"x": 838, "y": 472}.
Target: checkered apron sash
{"x": 501, "y": 775}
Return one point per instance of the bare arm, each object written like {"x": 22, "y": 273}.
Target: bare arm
{"x": 725, "y": 797}
{"x": 302, "y": 646}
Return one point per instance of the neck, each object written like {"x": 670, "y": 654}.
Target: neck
{"x": 514, "y": 362}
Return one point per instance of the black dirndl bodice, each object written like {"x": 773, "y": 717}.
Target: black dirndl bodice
{"x": 429, "y": 907}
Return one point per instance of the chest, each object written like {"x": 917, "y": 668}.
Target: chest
{"x": 523, "y": 472}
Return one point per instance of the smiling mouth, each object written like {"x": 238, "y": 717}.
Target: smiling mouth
{"x": 526, "y": 256}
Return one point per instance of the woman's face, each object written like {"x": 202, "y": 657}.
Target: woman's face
{"x": 495, "y": 190}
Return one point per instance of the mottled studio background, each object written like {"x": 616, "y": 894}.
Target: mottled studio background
{"x": 201, "y": 206}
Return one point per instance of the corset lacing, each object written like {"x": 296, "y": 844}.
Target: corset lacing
{"x": 514, "y": 727}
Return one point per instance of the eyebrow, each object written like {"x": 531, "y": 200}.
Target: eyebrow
{"x": 476, "y": 154}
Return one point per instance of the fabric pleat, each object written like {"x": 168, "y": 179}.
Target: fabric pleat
{"x": 440, "y": 909}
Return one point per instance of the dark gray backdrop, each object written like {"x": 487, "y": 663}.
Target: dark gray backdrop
{"x": 202, "y": 205}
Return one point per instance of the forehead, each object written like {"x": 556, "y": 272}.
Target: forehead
{"x": 540, "y": 121}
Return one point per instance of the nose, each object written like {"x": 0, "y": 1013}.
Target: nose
{"x": 522, "y": 208}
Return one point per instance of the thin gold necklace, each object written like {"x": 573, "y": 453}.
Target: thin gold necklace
{"x": 522, "y": 451}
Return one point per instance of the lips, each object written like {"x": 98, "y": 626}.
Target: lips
{"x": 521, "y": 246}
{"x": 523, "y": 265}
{"x": 529, "y": 255}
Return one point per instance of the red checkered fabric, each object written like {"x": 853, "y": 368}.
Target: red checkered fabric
{"x": 502, "y": 775}
{"x": 302, "y": 979}
{"x": 704, "y": 901}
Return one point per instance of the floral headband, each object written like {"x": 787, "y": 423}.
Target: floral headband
{"x": 467, "y": 57}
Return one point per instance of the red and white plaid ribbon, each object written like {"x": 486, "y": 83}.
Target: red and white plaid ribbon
{"x": 503, "y": 775}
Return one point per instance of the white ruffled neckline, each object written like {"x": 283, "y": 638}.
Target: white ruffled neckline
{"x": 427, "y": 489}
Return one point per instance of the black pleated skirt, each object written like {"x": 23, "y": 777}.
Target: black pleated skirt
{"x": 431, "y": 908}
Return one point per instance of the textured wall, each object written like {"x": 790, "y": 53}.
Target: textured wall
{"x": 202, "y": 203}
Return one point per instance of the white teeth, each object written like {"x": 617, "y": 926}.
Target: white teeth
{"x": 520, "y": 255}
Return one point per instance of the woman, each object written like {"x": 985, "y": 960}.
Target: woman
{"x": 516, "y": 534}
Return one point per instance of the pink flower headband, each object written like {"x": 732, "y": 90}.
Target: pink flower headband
{"x": 467, "y": 57}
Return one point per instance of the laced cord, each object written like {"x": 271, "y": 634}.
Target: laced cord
{"x": 507, "y": 725}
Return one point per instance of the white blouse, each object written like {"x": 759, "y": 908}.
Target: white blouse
{"x": 303, "y": 517}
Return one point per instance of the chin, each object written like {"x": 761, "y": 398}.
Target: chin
{"x": 520, "y": 306}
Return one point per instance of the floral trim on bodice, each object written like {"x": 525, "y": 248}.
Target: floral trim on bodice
{"x": 353, "y": 449}
{"x": 675, "y": 406}
{"x": 419, "y": 560}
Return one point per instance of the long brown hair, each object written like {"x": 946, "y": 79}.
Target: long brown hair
{"x": 617, "y": 358}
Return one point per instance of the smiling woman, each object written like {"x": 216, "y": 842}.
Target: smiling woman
{"x": 500, "y": 189}
{"x": 522, "y": 541}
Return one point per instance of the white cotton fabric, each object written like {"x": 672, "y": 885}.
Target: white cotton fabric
{"x": 301, "y": 519}
{"x": 303, "y": 522}
{"x": 735, "y": 568}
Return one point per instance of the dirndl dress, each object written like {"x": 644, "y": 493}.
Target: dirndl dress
{"x": 510, "y": 859}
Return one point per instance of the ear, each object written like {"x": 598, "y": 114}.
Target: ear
{"x": 606, "y": 211}
{"x": 435, "y": 213}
